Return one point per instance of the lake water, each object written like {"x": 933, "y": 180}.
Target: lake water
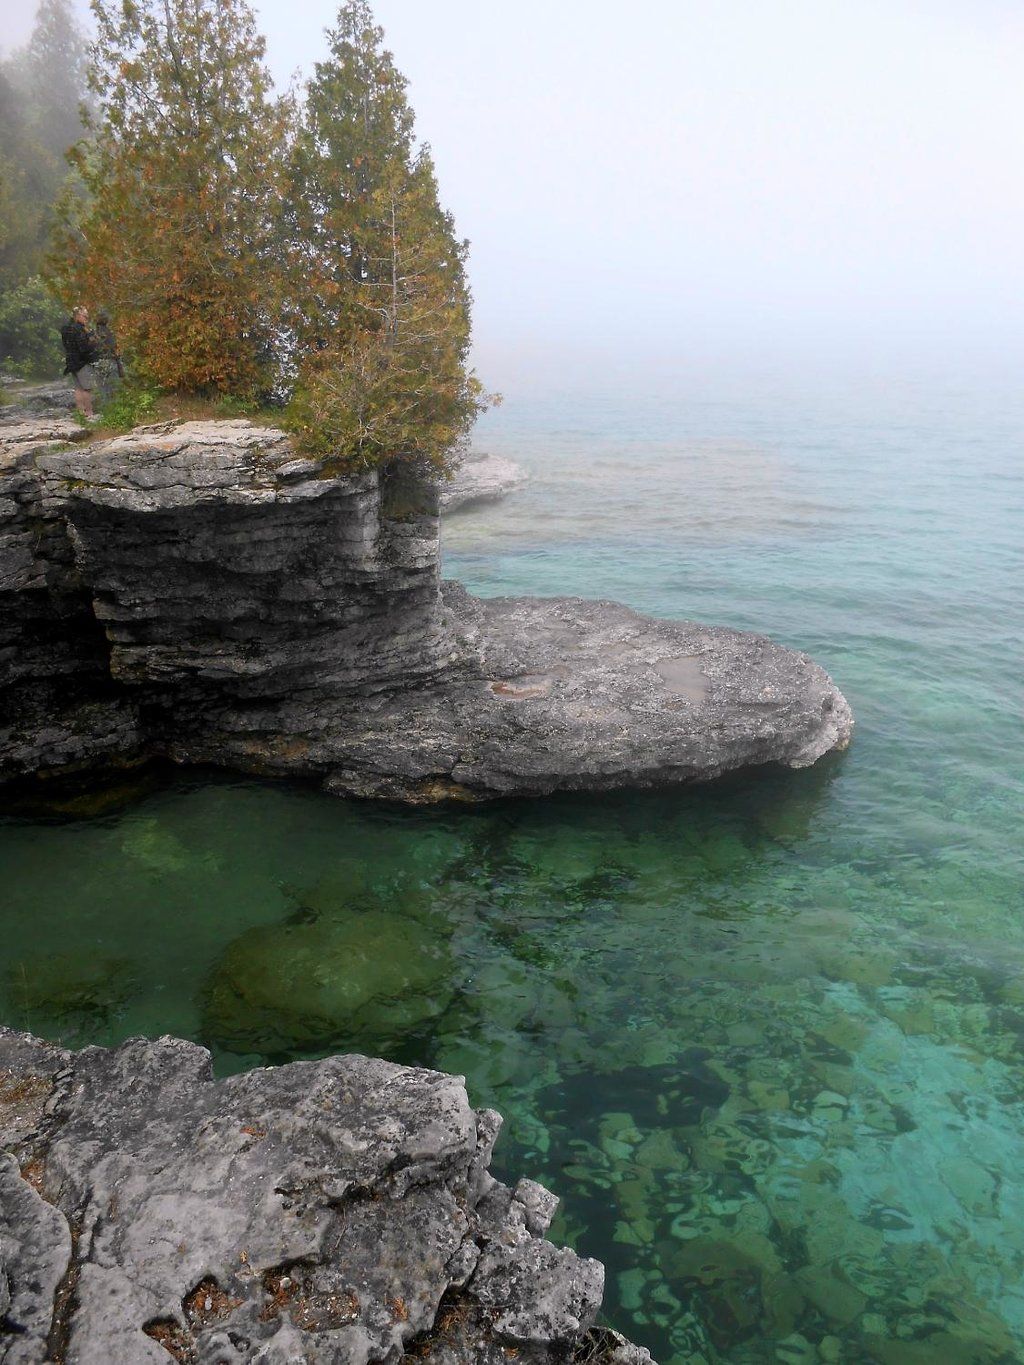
{"x": 765, "y": 1037}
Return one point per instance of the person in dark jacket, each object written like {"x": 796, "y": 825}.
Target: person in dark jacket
{"x": 81, "y": 353}
{"x": 109, "y": 367}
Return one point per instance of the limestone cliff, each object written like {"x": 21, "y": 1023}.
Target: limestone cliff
{"x": 60, "y": 710}
{"x": 201, "y": 592}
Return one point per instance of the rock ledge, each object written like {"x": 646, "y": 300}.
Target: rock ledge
{"x": 200, "y": 591}
{"x": 480, "y": 478}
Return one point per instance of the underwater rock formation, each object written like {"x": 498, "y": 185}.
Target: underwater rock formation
{"x": 479, "y": 478}
{"x": 363, "y": 976}
{"x": 263, "y": 612}
{"x": 338, "y": 1211}
{"x": 73, "y": 992}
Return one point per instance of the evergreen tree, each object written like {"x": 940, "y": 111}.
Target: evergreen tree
{"x": 42, "y": 89}
{"x": 50, "y": 74}
{"x": 177, "y": 236}
{"x": 357, "y": 131}
{"x": 379, "y": 301}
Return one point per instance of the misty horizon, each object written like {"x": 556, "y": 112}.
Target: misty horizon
{"x": 807, "y": 181}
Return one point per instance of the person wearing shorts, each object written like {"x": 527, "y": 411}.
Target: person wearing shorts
{"x": 81, "y": 353}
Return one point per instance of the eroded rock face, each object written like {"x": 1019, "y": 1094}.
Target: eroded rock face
{"x": 253, "y": 609}
{"x": 216, "y": 554}
{"x": 59, "y": 707}
{"x": 335, "y": 1211}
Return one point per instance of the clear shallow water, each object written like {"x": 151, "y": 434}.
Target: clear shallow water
{"x": 765, "y": 1038}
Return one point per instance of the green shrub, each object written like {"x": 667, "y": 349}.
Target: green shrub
{"x": 229, "y": 405}
{"x": 133, "y": 405}
{"x": 30, "y": 323}
{"x": 374, "y": 400}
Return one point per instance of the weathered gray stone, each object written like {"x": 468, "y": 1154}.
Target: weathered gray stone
{"x": 35, "y": 1251}
{"x": 49, "y": 398}
{"x": 323, "y": 1211}
{"x": 209, "y": 559}
{"x": 480, "y": 478}
{"x": 59, "y": 710}
{"x": 231, "y": 603}
{"x": 23, "y": 429}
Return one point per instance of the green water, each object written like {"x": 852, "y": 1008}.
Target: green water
{"x": 765, "y": 1037}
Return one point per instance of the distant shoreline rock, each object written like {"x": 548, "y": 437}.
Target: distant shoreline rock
{"x": 480, "y": 478}
{"x": 26, "y": 397}
{"x": 339, "y": 1210}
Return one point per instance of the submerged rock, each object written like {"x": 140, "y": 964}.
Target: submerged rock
{"x": 70, "y": 990}
{"x": 262, "y": 612}
{"x": 480, "y": 478}
{"x": 357, "y": 979}
{"x": 335, "y": 1211}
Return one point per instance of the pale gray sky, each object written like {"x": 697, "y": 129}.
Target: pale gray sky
{"x": 679, "y": 175}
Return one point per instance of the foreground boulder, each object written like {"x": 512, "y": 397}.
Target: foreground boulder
{"x": 241, "y": 605}
{"x": 337, "y": 1211}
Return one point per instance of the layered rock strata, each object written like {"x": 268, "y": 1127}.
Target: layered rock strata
{"x": 60, "y": 709}
{"x": 336, "y": 1211}
{"x": 216, "y": 555}
{"x": 259, "y": 610}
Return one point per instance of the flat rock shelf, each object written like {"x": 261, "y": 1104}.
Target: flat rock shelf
{"x": 202, "y": 592}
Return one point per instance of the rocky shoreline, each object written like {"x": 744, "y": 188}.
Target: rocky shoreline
{"x": 201, "y": 592}
{"x": 339, "y": 1210}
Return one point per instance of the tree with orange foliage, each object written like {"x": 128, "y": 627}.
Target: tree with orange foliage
{"x": 177, "y": 234}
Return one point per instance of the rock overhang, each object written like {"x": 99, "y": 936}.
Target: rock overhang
{"x": 176, "y": 465}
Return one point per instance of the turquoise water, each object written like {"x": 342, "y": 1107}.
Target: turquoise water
{"x": 765, "y": 1037}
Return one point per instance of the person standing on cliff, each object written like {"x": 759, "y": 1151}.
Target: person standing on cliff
{"x": 81, "y": 352}
{"x": 109, "y": 366}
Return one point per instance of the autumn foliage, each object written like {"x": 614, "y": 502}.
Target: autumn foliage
{"x": 258, "y": 247}
{"x": 177, "y": 232}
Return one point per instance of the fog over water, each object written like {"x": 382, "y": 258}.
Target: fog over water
{"x": 734, "y": 182}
